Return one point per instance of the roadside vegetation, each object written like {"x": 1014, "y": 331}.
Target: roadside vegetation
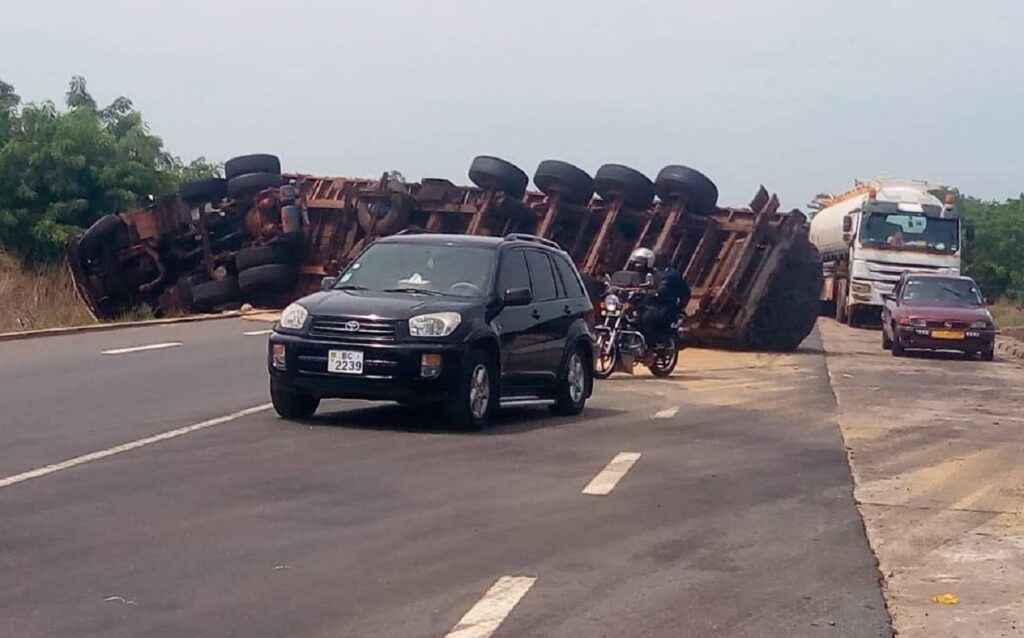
{"x": 39, "y": 297}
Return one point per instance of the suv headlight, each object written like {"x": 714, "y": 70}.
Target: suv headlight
{"x": 980, "y": 325}
{"x": 293, "y": 317}
{"x": 438, "y": 324}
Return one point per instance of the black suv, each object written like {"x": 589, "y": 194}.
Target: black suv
{"x": 462, "y": 321}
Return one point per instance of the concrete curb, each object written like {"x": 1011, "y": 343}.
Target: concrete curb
{"x": 104, "y": 327}
{"x": 1009, "y": 347}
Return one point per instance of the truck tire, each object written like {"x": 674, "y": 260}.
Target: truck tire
{"x": 210, "y": 294}
{"x": 109, "y": 230}
{"x": 244, "y": 185}
{"x": 391, "y": 216}
{"x": 698, "y": 193}
{"x": 554, "y": 177}
{"x": 204, "y": 190}
{"x": 256, "y": 163}
{"x": 269, "y": 278}
{"x": 615, "y": 180}
{"x": 495, "y": 174}
{"x": 840, "y": 294}
{"x": 276, "y": 253}
{"x": 788, "y": 312}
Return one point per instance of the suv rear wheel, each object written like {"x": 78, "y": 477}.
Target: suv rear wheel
{"x": 573, "y": 387}
{"x": 472, "y": 404}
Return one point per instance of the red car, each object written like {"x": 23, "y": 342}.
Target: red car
{"x": 937, "y": 312}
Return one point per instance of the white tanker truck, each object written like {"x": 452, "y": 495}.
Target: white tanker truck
{"x": 871, "y": 234}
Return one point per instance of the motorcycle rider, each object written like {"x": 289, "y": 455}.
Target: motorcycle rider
{"x": 671, "y": 292}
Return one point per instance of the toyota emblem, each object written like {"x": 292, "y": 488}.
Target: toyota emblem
{"x": 352, "y": 326}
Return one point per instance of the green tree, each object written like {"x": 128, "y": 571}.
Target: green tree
{"x": 995, "y": 259}
{"x": 62, "y": 170}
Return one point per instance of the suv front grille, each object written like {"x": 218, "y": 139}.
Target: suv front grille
{"x": 352, "y": 330}
{"x": 959, "y": 325}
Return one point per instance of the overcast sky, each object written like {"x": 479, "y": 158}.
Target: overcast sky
{"x": 800, "y": 95}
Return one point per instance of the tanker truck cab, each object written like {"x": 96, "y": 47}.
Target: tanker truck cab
{"x": 871, "y": 236}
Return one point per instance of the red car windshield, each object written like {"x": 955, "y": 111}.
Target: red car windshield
{"x": 941, "y": 292}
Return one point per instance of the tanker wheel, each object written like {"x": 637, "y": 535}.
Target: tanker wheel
{"x": 204, "y": 190}
{"x": 788, "y": 312}
{"x": 495, "y": 174}
{"x": 251, "y": 183}
{"x": 562, "y": 178}
{"x": 210, "y": 294}
{"x": 392, "y": 215}
{"x": 617, "y": 181}
{"x": 698, "y": 193}
{"x": 107, "y": 231}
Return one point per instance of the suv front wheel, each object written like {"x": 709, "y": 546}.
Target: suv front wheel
{"x": 292, "y": 403}
{"x": 473, "y": 401}
{"x": 571, "y": 391}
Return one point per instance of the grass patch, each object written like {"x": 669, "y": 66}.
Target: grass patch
{"x": 1009, "y": 318}
{"x": 36, "y": 299}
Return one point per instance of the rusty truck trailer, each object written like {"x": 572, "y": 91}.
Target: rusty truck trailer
{"x": 266, "y": 237}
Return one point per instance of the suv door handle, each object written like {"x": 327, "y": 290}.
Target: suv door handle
{"x": 535, "y": 314}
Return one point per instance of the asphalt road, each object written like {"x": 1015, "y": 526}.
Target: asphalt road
{"x": 733, "y": 516}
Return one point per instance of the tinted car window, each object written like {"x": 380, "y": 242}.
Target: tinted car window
{"x": 513, "y": 272}
{"x": 542, "y": 276}
{"x": 569, "y": 278}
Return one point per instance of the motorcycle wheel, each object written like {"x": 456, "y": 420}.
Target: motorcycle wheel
{"x": 605, "y": 363}
{"x": 665, "y": 360}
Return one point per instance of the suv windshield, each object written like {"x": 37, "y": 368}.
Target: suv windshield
{"x": 941, "y": 292}
{"x": 459, "y": 271}
{"x": 910, "y": 231}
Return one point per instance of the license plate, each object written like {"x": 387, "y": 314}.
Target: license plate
{"x": 345, "y": 361}
{"x": 947, "y": 334}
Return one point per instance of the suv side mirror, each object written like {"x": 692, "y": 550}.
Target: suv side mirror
{"x": 327, "y": 283}
{"x": 517, "y": 297}
{"x": 969, "y": 232}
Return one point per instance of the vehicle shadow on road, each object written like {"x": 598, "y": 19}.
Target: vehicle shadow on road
{"x": 420, "y": 420}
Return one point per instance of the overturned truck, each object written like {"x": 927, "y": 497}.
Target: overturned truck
{"x": 266, "y": 237}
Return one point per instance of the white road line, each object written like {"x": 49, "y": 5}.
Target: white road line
{"x": 484, "y": 618}
{"x": 125, "y": 447}
{"x": 152, "y": 346}
{"x": 609, "y": 477}
{"x": 256, "y": 333}
{"x": 667, "y": 413}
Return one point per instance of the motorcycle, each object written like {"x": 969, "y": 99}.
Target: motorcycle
{"x": 620, "y": 346}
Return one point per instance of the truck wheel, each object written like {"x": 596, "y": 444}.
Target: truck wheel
{"x": 269, "y": 278}
{"x": 392, "y": 215}
{"x": 698, "y": 193}
{"x": 840, "y": 294}
{"x": 256, "y": 163}
{"x": 615, "y": 180}
{"x": 244, "y": 185}
{"x": 886, "y": 341}
{"x": 210, "y": 294}
{"x": 204, "y": 190}
{"x": 495, "y": 174}
{"x": 574, "y": 386}
{"x": 788, "y": 311}
{"x": 290, "y": 402}
{"x": 477, "y": 395}
{"x": 572, "y": 183}
{"x": 276, "y": 253}
{"x": 109, "y": 230}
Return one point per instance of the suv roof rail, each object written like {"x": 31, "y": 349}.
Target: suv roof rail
{"x": 413, "y": 231}
{"x": 538, "y": 240}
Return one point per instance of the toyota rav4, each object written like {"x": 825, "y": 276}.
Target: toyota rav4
{"x": 468, "y": 323}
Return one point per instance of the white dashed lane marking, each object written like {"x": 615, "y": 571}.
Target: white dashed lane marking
{"x": 256, "y": 333}
{"x": 152, "y": 346}
{"x": 609, "y": 477}
{"x": 125, "y": 447}
{"x": 484, "y": 618}
{"x": 667, "y": 413}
